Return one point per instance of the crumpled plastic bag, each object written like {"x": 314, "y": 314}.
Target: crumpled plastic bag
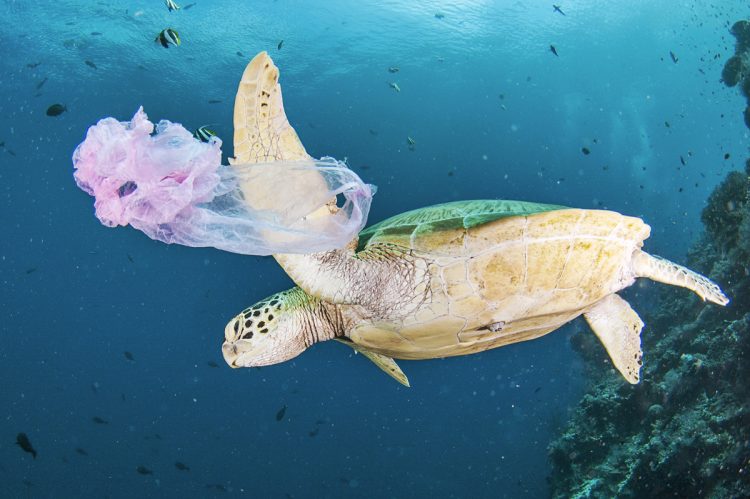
{"x": 174, "y": 188}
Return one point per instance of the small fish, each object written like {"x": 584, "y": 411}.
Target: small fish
{"x": 204, "y": 133}
{"x": 214, "y": 101}
{"x": 2, "y": 145}
{"x": 278, "y": 47}
{"x": 557, "y": 9}
{"x": 90, "y": 64}
{"x": 30, "y": 270}
{"x": 394, "y": 86}
{"x": 181, "y": 466}
{"x": 726, "y": 155}
{"x": 32, "y": 65}
{"x": 666, "y": 124}
{"x": 554, "y": 50}
{"x": 96, "y": 33}
{"x": 314, "y": 432}
{"x": 130, "y": 258}
{"x": 410, "y": 141}
{"x": 22, "y": 440}
{"x": 81, "y": 451}
{"x": 143, "y": 470}
{"x": 536, "y": 390}
{"x": 373, "y": 132}
{"x": 240, "y": 54}
{"x": 393, "y": 69}
{"x": 128, "y": 356}
{"x": 211, "y": 363}
{"x": 585, "y": 150}
{"x": 11, "y": 152}
{"x": 41, "y": 83}
{"x": 171, "y": 5}
{"x": 168, "y": 37}
{"x": 216, "y": 486}
{"x": 682, "y": 160}
{"x": 280, "y": 414}
{"x": 188, "y": 6}
{"x": 674, "y": 57}
{"x": 56, "y": 110}
{"x": 439, "y": 16}
{"x": 98, "y": 420}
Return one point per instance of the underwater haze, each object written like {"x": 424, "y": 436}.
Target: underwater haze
{"x": 110, "y": 342}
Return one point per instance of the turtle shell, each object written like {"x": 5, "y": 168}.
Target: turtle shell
{"x": 424, "y": 226}
{"x": 495, "y": 273}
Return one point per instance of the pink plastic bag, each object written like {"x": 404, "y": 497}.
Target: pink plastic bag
{"x": 174, "y": 188}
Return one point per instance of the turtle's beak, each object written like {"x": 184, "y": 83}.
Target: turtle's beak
{"x": 229, "y": 350}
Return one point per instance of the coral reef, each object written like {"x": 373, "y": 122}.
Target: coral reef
{"x": 684, "y": 431}
{"x": 737, "y": 68}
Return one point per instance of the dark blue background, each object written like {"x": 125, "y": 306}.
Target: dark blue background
{"x": 76, "y": 295}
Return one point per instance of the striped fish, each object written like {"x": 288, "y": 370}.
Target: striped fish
{"x": 204, "y": 133}
{"x": 168, "y": 37}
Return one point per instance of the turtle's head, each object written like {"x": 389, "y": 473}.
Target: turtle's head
{"x": 269, "y": 332}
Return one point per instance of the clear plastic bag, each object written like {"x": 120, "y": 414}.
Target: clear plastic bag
{"x": 175, "y": 189}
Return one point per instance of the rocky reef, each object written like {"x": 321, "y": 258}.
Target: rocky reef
{"x": 684, "y": 431}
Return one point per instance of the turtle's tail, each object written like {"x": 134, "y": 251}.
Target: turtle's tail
{"x": 662, "y": 270}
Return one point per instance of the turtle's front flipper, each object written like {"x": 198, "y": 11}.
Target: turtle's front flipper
{"x": 262, "y": 132}
{"x": 662, "y": 270}
{"x": 387, "y": 364}
{"x": 619, "y": 329}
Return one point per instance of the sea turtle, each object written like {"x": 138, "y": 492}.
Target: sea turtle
{"x": 451, "y": 279}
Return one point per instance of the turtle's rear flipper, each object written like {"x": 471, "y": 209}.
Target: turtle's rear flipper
{"x": 662, "y": 270}
{"x": 619, "y": 329}
{"x": 387, "y": 364}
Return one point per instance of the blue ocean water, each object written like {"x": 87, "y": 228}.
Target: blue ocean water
{"x": 494, "y": 113}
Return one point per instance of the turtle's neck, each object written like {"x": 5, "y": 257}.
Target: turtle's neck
{"x": 320, "y": 320}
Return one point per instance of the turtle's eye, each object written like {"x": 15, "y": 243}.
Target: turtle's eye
{"x": 233, "y": 329}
